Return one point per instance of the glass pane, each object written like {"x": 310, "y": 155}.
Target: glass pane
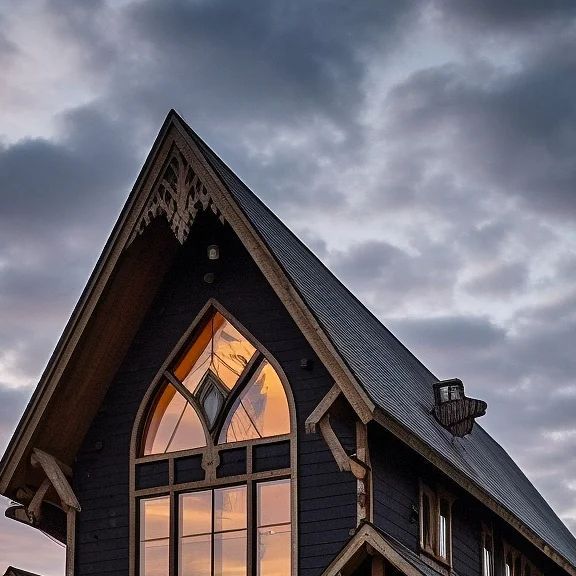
{"x": 154, "y": 518}
{"x": 273, "y": 502}
{"x": 195, "y": 556}
{"x": 196, "y": 513}
{"x": 228, "y": 354}
{"x": 174, "y": 425}
{"x": 274, "y": 551}
{"x": 154, "y": 558}
{"x": 230, "y": 553}
{"x": 260, "y": 411}
{"x": 229, "y": 508}
{"x": 426, "y": 534}
{"x": 212, "y": 403}
{"x": 443, "y": 537}
{"x": 154, "y": 532}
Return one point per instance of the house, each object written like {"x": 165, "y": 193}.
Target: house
{"x": 220, "y": 404}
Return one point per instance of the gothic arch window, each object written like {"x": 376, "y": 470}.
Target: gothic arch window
{"x": 212, "y": 466}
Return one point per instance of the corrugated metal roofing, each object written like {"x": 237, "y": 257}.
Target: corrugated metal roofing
{"x": 390, "y": 374}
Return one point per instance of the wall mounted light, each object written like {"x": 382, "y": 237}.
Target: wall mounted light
{"x": 213, "y": 252}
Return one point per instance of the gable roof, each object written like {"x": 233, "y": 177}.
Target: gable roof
{"x": 380, "y": 377}
{"x": 369, "y": 540}
{"x": 395, "y": 380}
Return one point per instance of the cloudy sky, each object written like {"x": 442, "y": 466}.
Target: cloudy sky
{"x": 425, "y": 150}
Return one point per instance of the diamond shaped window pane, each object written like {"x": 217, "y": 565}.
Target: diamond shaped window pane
{"x": 211, "y": 395}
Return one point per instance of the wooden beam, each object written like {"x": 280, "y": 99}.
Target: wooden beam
{"x": 363, "y": 485}
{"x": 70, "y": 541}
{"x": 345, "y": 463}
{"x": 323, "y": 406}
{"x": 35, "y": 506}
{"x": 57, "y": 477}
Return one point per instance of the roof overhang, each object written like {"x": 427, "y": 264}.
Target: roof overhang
{"x": 114, "y": 302}
{"x": 119, "y": 291}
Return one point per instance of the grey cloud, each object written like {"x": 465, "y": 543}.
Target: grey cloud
{"x": 45, "y": 183}
{"x": 389, "y": 278}
{"x": 500, "y": 281}
{"x": 58, "y": 200}
{"x": 449, "y": 332}
{"x": 12, "y": 403}
{"x": 511, "y": 133}
{"x": 280, "y": 58}
{"x": 513, "y": 14}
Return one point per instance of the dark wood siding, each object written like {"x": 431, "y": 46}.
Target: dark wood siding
{"x": 326, "y": 504}
{"x": 396, "y": 488}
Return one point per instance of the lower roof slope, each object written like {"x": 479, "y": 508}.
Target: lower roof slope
{"x": 391, "y": 375}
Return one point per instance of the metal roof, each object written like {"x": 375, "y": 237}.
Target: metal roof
{"x": 390, "y": 374}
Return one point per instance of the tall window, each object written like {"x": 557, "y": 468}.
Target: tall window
{"x": 487, "y": 551}
{"x": 435, "y": 523}
{"x": 212, "y": 476}
{"x": 516, "y": 564}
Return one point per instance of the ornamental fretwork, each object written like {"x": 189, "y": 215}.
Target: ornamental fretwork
{"x": 179, "y": 196}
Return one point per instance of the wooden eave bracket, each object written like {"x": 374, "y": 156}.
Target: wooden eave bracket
{"x": 56, "y": 476}
{"x": 322, "y": 409}
{"x": 345, "y": 463}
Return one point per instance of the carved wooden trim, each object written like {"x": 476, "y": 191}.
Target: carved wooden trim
{"x": 178, "y": 196}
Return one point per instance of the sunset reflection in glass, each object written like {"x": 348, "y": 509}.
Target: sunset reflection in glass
{"x": 260, "y": 411}
{"x": 213, "y": 535}
{"x": 154, "y": 536}
{"x": 174, "y": 425}
{"x": 274, "y": 529}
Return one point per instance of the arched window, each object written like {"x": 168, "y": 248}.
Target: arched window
{"x": 212, "y": 471}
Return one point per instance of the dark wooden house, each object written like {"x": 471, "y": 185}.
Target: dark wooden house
{"x": 220, "y": 404}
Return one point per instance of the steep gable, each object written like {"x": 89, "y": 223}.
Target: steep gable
{"x": 380, "y": 378}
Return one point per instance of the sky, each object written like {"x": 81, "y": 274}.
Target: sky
{"x": 426, "y": 151}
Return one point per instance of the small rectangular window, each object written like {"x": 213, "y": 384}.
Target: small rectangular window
{"x": 435, "y": 521}
{"x": 487, "y": 552}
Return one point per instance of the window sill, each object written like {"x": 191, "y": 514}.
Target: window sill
{"x": 439, "y": 564}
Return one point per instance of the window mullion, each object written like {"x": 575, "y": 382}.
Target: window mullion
{"x": 173, "y": 535}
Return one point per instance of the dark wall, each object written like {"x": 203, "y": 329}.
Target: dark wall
{"x": 326, "y": 497}
{"x": 396, "y": 474}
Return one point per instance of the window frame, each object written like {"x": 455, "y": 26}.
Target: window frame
{"x": 432, "y": 549}
{"x": 210, "y": 453}
{"x": 486, "y": 533}
{"x": 517, "y": 557}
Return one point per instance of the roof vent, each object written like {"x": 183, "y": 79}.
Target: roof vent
{"x": 453, "y": 409}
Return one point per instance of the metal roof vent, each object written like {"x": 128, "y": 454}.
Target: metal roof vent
{"x": 453, "y": 409}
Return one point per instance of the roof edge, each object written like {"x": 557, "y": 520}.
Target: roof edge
{"x": 80, "y": 314}
{"x": 440, "y": 462}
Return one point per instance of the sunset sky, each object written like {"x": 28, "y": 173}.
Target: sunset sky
{"x": 425, "y": 150}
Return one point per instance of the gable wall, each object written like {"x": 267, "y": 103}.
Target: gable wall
{"x": 326, "y": 497}
{"x": 396, "y": 474}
